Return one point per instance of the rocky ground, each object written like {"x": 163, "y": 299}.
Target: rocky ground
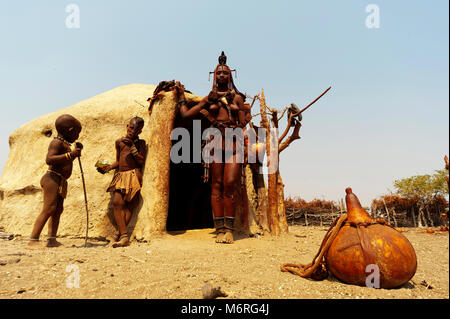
{"x": 178, "y": 265}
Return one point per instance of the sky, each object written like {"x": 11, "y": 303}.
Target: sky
{"x": 385, "y": 118}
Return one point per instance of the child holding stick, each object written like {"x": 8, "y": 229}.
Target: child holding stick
{"x": 60, "y": 159}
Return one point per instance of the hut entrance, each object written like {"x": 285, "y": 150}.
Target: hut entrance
{"x": 189, "y": 197}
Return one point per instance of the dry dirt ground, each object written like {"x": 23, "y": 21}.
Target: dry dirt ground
{"x": 178, "y": 265}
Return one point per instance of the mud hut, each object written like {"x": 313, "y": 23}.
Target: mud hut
{"x": 173, "y": 195}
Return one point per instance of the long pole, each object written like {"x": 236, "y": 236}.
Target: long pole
{"x": 306, "y": 107}
{"x": 85, "y": 202}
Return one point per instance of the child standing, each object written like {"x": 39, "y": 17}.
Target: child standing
{"x": 127, "y": 181}
{"x": 60, "y": 157}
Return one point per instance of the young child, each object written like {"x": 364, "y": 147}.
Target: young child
{"x": 127, "y": 180}
{"x": 60, "y": 157}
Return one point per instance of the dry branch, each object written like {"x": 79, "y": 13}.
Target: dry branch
{"x": 295, "y": 136}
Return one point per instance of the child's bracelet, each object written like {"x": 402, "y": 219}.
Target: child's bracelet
{"x": 134, "y": 151}
{"x": 68, "y": 156}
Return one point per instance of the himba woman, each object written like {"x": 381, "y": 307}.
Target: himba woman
{"x": 224, "y": 108}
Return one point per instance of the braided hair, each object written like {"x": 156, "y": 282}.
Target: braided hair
{"x": 231, "y": 85}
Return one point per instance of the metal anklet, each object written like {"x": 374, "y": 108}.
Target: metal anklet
{"x": 219, "y": 223}
{"x": 229, "y": 223}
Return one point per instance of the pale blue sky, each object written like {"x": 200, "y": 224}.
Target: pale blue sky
{"x": 385, "y": 118}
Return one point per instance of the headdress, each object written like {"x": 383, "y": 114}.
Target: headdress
{"x": 223, "y": 63}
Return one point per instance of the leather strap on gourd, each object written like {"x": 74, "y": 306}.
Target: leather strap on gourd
{"x": 317, "y": 269}
{"x": 364, "y": 241}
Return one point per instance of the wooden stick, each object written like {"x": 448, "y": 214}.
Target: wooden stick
{"x": 387, "y": 211}
{"x": 85, "y": 202}
{"x": 139, "y": 103}
{"x": 314, "y": 101}
{"x": 297, "y": 114}
{"x": 282, "y": 114}
{"x": 294, "y": 136}
{"x": 394, "y": 217}
{"x": 288, "y": 127}
{"x": 413, "y": 216}
{"x": 254, "y": 99}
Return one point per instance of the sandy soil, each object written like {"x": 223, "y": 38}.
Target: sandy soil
{"x": 178, "y": 265}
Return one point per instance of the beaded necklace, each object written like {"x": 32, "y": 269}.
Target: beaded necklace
{"x": 134, "y": 141}
{"x": 61, "y": 139}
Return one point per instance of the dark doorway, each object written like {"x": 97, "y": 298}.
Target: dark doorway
{"x": 189, "y": 197}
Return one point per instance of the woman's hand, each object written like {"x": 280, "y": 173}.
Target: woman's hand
{"x": 178, "y": 90}
{"x": 213, "y": 96}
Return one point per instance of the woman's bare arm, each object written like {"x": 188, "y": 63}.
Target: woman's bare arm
{"x": 195, "y": 110}
{"x": 239, "y": 101}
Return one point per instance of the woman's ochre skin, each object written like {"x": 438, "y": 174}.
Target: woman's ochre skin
{"x": 225, "y": 175}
